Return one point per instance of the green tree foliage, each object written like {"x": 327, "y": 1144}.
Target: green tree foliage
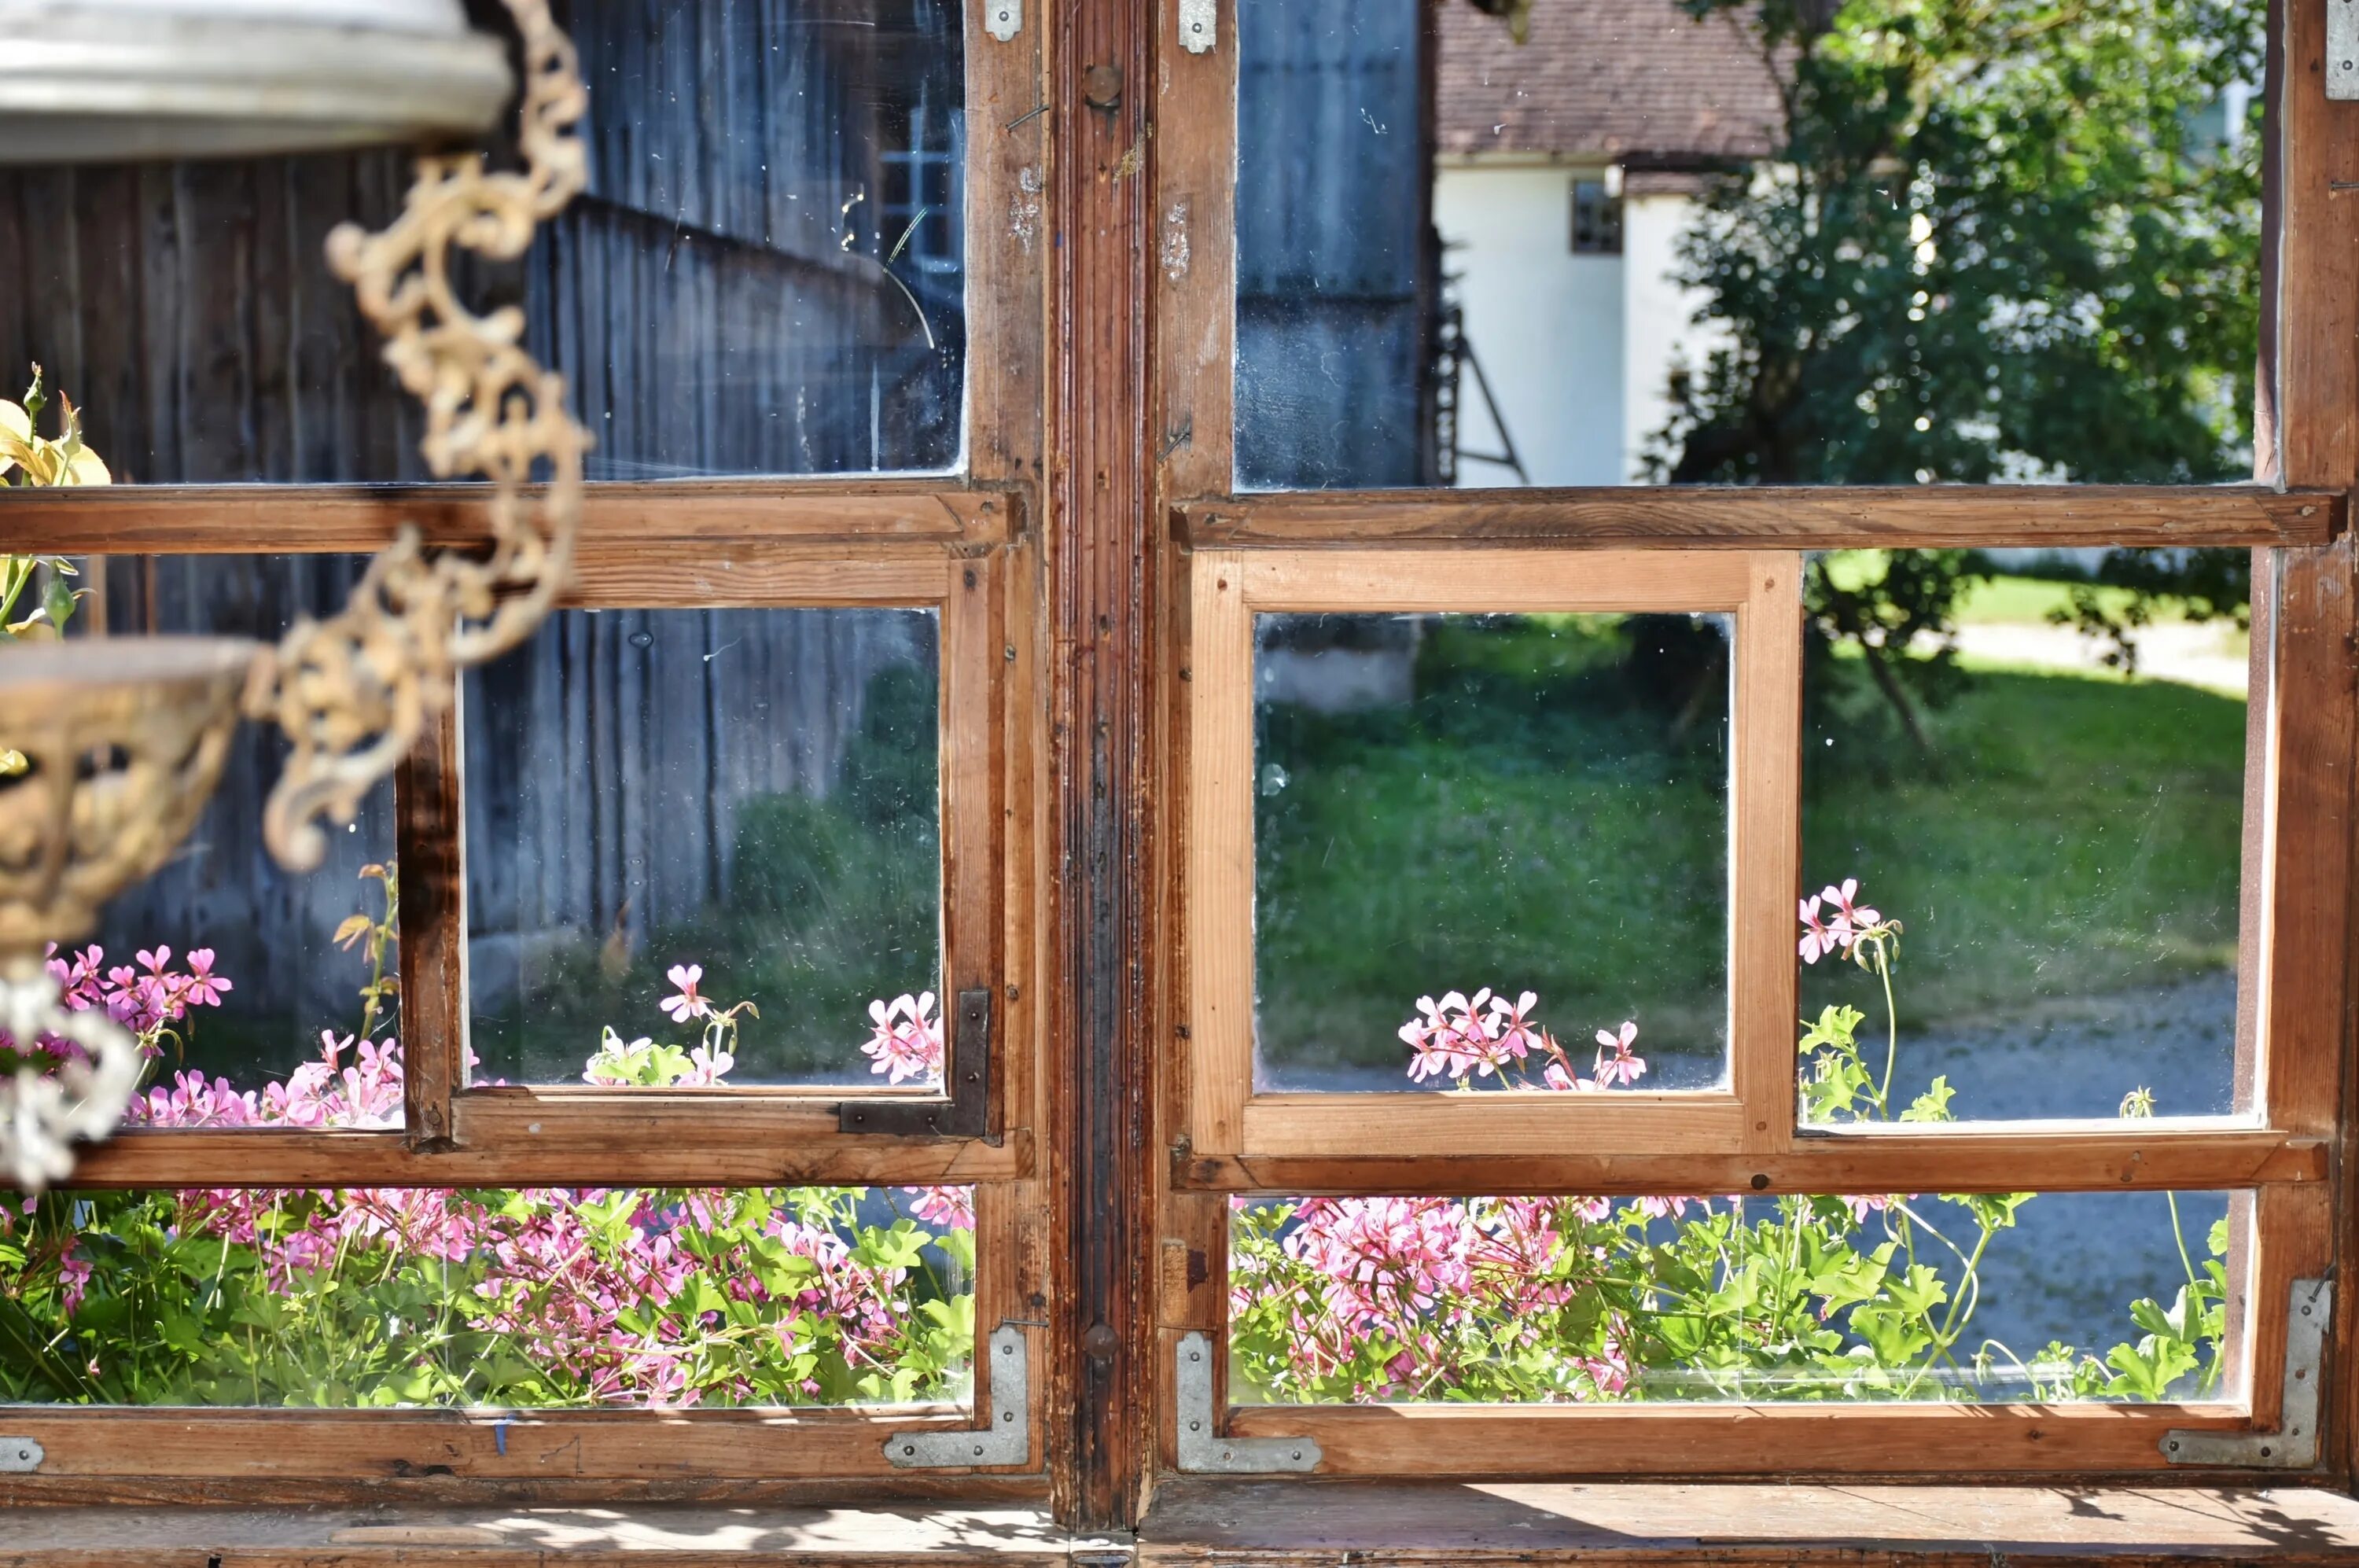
{"x": 2004, "y": 239}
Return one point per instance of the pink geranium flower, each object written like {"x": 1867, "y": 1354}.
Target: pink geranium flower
{"x": 1617, "y": 1063}
{"x": 1818, "y": 938}
{"x": 908, "y": 1038}
{"x": 204, "y": 987}
{"x": 686, "y": 1003}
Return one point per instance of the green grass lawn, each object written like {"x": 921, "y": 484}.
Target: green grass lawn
{"x": 1533, "y": 824}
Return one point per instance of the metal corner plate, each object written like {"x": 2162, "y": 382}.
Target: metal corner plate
{"x": 1002, "y": 19}
{"x": 1007, "y": 1441}
{"x": 2294, "y": 1445}
{"x": 2342, "y": 49}
{"x": 1202, "y": 1450}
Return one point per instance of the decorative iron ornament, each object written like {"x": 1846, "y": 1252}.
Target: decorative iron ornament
{"x": 81, "y": 1097}
{"x": 353, "y": 693}
{"x": 124, "y": 738}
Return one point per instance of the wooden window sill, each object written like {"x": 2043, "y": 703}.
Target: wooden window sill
{"x": 1210, "y": 1522}
{"x": 1260, "y": 1524}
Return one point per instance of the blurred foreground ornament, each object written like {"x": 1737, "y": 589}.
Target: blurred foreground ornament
{"x": 123, "y": 739}
{"x": 121, "y": 81}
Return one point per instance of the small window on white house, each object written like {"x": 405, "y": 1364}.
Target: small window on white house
{"x": 1596, "y": 219}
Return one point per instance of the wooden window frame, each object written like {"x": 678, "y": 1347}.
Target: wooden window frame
{"x": 1119, "y": 468}
{"x": 1227, "y": 1116}
{"x": 965, "y": 543}
{"x": 2299, "y": 803}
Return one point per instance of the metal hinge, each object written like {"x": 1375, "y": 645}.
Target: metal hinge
{"x": 1202, "y": 1450}
{"x": 1006, "y": 1439}
{"x": 2342, "y": 49}
{"x": 1199, "y": 25}
{"x": 20, "y": 1455}
{"x": 965, "y": 1113}
{"x": 2294, "y": 1445}
{"x": 1002, "y": 19}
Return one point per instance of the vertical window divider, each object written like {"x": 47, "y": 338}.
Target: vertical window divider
{"x": 430, "y": 861}
{"x": 1765, "y": 847}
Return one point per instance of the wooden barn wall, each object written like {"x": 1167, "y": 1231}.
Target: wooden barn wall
{"x": 719, "y": 304}
{"x": 1333, "y": 257}
{"x": 271, "y": 931}
{"x": 608, "y": 759}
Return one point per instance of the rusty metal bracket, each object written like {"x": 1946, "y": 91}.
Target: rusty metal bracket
{"x": 2342, "y": 49}
{"x": 1202, "y": 1450}
{"x": 964, "y": 1111}
{"x": 2294, "y": 1445}
{"x": 1005, "y": 1436}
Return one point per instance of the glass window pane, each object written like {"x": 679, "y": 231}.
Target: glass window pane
{"x": 738, "y": 292}
{"x": 1713, "y": 242}
{"x": 1450, "y": 803}
{"x": 2046, "y": 791}
{"x": 749, "y": 798}
{"x": 252, "y": 986}
{"x": 2114, "y": 1296}
{"x": 531, "y": 1299}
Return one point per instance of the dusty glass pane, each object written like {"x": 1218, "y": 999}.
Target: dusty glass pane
{"x": 767, "y": 276}
{"x": 250, "y": 987}
{"x": 1448, "y": 805}
{"x": 1710, "y": 241}
{"x": 2112, "y": 1296}
{"x": 2049, "y": 799}
{"x": 671, "y": 813}
{"x": 529, "y": 1298}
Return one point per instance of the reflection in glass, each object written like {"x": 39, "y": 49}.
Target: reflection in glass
{"x": 767, "y": 275}
{"x": 2053, "y": 1298}
{"x": 2047, "y": 796}
{"x": 533, "y": 1298}
{"x": 250, "y": 984}
{"x": 1446, "y": 803}
{"x": 1864, "y": 243}
{"x": 753, "y": 793}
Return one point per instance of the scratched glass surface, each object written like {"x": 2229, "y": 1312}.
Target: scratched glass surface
{"x": 712, "y": 832}
{"x": 766, "y": 276}
{"x": 532, "y": 1299}
{"x": 1645, "y": 241}
{"x": 2045, "y": 1297}
{"x": 2049, "y": 801}
{"x": 1530, "y": 806}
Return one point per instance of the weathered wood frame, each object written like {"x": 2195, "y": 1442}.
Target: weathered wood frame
{"x": 1757, "y": 591}
{"x": 2283, "y": 1152}
{"x": 1135, "y": 473}
{"x": 971, "y": 546}
{"x": 566, "y": 1135}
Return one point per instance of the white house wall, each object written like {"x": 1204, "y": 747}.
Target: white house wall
{"x": 1546, "y": 324}
{"x": 1659, "y": 326}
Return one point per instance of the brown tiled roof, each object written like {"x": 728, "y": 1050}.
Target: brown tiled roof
{"x": 1639, "y": 82}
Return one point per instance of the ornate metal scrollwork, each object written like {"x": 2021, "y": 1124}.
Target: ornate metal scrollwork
{"x": 353, "y": 691}
{"x": 123, "y": 739}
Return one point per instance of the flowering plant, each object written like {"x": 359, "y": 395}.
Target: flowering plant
{"x": 381, "y": 1297}
{"x": 1589, "y": 1299}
